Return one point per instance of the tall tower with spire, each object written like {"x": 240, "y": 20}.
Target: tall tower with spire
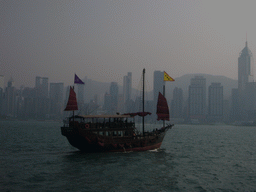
{"x": 245, "y": 82}
{"x": 244, "y": 68}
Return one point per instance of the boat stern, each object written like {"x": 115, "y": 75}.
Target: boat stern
{"x": 67, "y": 131}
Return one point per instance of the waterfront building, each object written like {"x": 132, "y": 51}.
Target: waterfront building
{"x": 10, "y": 98}
{"x": 158, "y": 87}
{"x": 120, "y": 104}
{"x": 1, "y": 81}
{"x": 245, "y": 75}
{"x": 42, "y": 100}
{"x": 29, "y": 103}
{"x": 197, "y": 98}
{"x": 127, "y": 90}
{"x": 1, "y": 95}
{"x": 215, "y": 102}
{"x": 79, "y": 88}
{"x": 176, "y": 110}
{"x": 250, "y": 101}
{"x": 235, "y": 113}
{"x": 41, "y": 87}
{"x": 107, "y": 103}
{"x": 114, "y": 97}
{"x": 56, "y": 99}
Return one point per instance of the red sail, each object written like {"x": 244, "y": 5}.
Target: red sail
{"x": 162, "y": 108}
{"x": 72, "y": 103}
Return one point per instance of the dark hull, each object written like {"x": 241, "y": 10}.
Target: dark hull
{"x": 88, "y": 142}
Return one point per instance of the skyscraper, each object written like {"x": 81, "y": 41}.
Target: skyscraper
{"x": 176, "y": 110}
{"x": 80, "y": 93}
{"x": 158, "y": 87}
{"x": 56, "y": 99}
{"x": 197, "y": 98}
{"x": 244, "y": 68}
{"x": 114, "y": 96}
{"x": 245, "y": 76}
{"x": 235, "y": 111}
{"x": 41, "y": 87}
{"x": 1, "y": 94}
{"x": 44, "y": 86}
{"x": 215, "y": 102}
{"x": 107, "y": 103}
{"x": 127, "y": 90}
{"x": 2, "y": 81}
{"x": 10, "y": 96}
{"x": 42, "y": 98}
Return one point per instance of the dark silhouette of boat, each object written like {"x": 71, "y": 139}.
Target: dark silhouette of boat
{"x": 113, "y": 133}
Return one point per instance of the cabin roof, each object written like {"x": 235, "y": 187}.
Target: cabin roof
{"x": 103, "y": 116}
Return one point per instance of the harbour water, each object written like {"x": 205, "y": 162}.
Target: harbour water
{"x": 36, "y": 157}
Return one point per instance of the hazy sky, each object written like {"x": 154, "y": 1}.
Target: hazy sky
{"x": 104, "y": 40}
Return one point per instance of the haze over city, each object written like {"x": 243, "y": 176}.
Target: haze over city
{"x": 104, "y": 40}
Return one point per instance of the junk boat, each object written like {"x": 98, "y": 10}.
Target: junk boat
{"x": 114, "y": 133}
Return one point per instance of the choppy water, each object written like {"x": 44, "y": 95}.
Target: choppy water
{"x": 36, "y": 157}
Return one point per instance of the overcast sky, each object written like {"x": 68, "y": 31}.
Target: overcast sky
{"x": 104, "y": 40}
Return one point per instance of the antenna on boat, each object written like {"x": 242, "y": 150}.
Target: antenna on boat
{"x": 164, "y": 96}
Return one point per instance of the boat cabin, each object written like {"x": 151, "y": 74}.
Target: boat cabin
{"x": 104, "y": 125}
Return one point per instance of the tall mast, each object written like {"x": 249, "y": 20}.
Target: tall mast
{"x": 143, "y": 89}
{"x": 74, "y": 110}
{"x": 164, "y": 96}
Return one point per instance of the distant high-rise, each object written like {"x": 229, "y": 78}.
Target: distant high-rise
{"x": 215, "y": 102}
{"x": 29, "y": 95}
{"x": 107, "y": 102}
{"x": 127, "y": 86}
{"x": 2, "y": 81}
{"x": 245, "y": 76}
{"x": 38, "y": 81}
{"x": 88, "y": 90}
{"x": 114, "y": 96}
{"x": 10, "y": 97}
{"x": 80, "y": 93}
{"x": 158, "y": 83}
{"x": 1, "y": 101}
{"x": 235, "y": 108}
{"x": 176, "y": 110}
{"x": 244, "y": 68}
{"x": 1, "y": 94}
{"x": 120, "y": 103}
{"x": 45, "y": 86}
{"x": 127, "y": 90}
{"x": 250, "y": 101}
{"x": 41, "y": 87}
{"x": 158, "y": 87}
{"x": 197, "y": 98}
{"x": 42, "y": 98}
{"x": 56, "y": 99}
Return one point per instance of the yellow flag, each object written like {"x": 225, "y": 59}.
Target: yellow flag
{"x": 167, "y": 77}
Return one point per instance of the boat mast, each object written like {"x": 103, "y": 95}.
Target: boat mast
{"x": 74, "y": 110}
{"x": 164, "y": 96}
{"x": 143, "y": 89}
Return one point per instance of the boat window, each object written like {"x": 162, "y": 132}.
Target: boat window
{"x": 101, "y": 133}
{"x": 126, "y": 133}
{"x": 120, "y": 133}
{"x": 114, "y": 133}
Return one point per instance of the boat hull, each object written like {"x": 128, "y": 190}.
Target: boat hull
{"x": 91, "y": 143}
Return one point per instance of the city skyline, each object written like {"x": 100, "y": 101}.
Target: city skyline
{"x": 119, "y": 84}
{"x": 45, "y": 100}
{"x": 105, "y": 40}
